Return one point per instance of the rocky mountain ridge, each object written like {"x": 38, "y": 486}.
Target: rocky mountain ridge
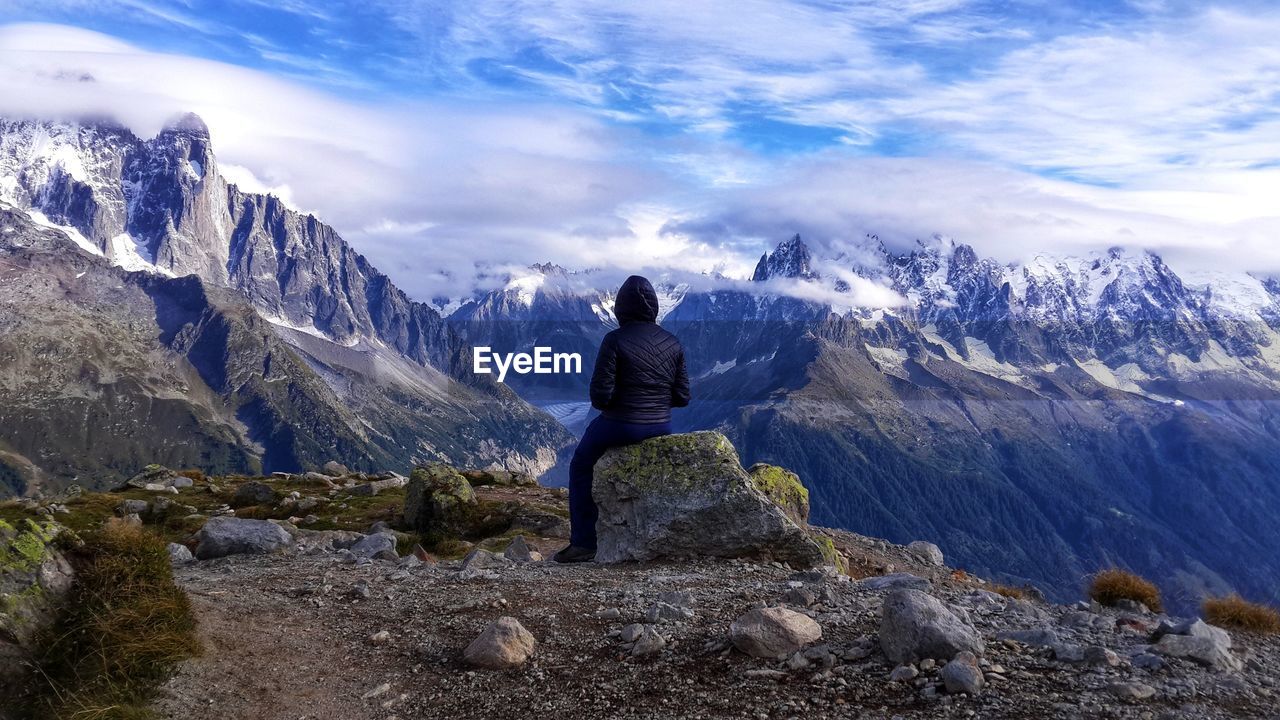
{"x": 386, "y": 379}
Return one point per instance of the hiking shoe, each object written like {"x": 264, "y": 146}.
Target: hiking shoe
{"x": 574, "y": 554}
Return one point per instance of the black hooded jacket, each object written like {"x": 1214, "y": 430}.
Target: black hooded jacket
{"x": 640, "y": 373}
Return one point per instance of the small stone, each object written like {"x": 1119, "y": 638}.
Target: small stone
{"x": 893, "y": 581}
{"x": 928, "y": 552}
{"x": 503, "y": 644}
{"x": 962, "y": 675}
{"x": 773, "y": 632}
{"x": 631, "y": 633}
{"x": 180, "y": 554}
{"x": 132, "y": 507}
{"x": 333, "y": 468}
{"x": 1147, "y": 661}
{"x": 904, "y": 673}
{"x": 1132, "y": 691}
{"x": 1068, "y": 653}
{"x": 380, "y": 545}
{"x": 1098, "y": 655}
{"x": 650, "y": 642}
{"x": 678, "y": 598}
{"x": 800, "y": 597}
{"x": 519, "y": 551}
{"x": 662, "y": 612}
{"x": 1039, "y": 637}
{"x": 480, "y": 563}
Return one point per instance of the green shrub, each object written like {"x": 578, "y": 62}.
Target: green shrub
{"x": 125, "y": 626}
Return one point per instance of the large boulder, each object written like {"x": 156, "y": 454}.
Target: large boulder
{"x": 916, "y": 626}
{"x": 235, "y": 536}
{"x": 437, "y": 500}
{"x": 151, "y": 475}
{"x": 687, "y": 495}
{"x": 34, "y": 580}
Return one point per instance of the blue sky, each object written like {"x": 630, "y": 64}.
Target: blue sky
{"x": 697, "y": 133}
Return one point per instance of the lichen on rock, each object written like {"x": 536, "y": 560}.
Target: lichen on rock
{"x": 688, "y": 495}
{"x": 784, "y": 488}
{"x": 34, "y": 577}
{"x": 437, "y": 499}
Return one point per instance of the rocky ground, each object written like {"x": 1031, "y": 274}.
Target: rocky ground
{"x": 316, "y": 600}
{"x": 313, "y": 635}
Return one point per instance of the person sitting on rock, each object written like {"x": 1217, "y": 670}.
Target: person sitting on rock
{"x": 639, "y": 376}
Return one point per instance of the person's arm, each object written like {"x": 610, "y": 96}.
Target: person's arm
{"x": 604, "y": 377}
{"x": 680, "y": 388}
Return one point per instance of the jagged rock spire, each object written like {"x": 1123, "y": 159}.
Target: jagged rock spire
{"x": 791, "y": 259}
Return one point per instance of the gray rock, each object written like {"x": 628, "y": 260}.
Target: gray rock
{"x": 962, "y": 675}
{"x": 1100, "y": 656}
{"x": 253, "y": 493}
{"x": 650, "y": 642}
{"x": 904, "y": 673}
{"x": 232, "y": 536}
{"x": 1039, "y": 637}
{"x": 664, "y": 612}
{"x": 687, "y": 495}
{"x": 929, "y": 553}
{"x": 180, "y": 554}
{"x": 915, "y": 626}
{"x": 333, "y": 468}
{"x": 381, "y": 545}
{"x": 503, "y": 644}
{"x": 893, "y": 581}
{"x": 800, "y": 597}
{"x": 35, "y": 580}
{"x": 1147, "y": 661}
{"x": 1193, "y": 628}
{"x": 132, "y": 507}
{"x": 437, "y": 500}
{"x": 1209, "y": 651}
{"x": 150, "y": 475}
{"x": 519, "y": 551}
{"x": 1068, "y": 653}
{"x": 773, "y": 632}
{"x": 1132, "y": 691}
{"x": 480, "y": 563}
{"x": 183, "y": 482}
{"x": 679, "y": 598}
{"x": 631, "y": 633}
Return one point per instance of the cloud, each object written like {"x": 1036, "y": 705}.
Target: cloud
{"x": 694, "y": 136}
{"x": 427, "y": 189}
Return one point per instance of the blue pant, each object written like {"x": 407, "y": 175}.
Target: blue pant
{"x": 601, "y": 435}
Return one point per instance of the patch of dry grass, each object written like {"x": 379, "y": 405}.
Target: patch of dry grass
{"x": 1007, "y": 591}
{"x": 125, "y": 626}
{"x": 1111, "y": 586}
{"x": 1234, "y": 611}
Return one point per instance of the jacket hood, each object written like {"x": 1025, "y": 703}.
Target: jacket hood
{"x": 636, "y": 301}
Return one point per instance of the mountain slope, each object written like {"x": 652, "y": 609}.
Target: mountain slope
{"x": 311, "y": 348}
{"x": 1038, "y": 421}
